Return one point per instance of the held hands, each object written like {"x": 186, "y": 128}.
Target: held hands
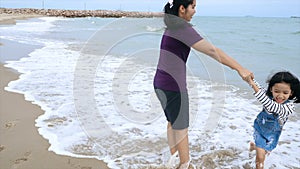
{"x": 246, "y": 75}
{"x": 249, "y": 78}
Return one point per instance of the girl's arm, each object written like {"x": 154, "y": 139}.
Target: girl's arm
{"x": 217, "y": 54}
{"x": 255, "y": 86}
{"x": 283, "y": 110}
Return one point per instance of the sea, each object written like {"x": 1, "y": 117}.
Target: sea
{"x": 93, "y": 79}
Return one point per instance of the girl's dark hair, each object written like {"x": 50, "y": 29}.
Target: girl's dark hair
{"x": 171, "y": 17}
{"x": 286, "y": 77}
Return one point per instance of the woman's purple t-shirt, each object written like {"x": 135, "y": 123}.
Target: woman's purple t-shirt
{"x": 174, "y": 51}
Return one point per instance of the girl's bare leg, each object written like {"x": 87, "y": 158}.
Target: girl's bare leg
{"x": 260, "y": 158}
{"x": 252, "y": 146}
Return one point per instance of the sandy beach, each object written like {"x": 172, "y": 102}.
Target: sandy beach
{"x": 21, "y": 146}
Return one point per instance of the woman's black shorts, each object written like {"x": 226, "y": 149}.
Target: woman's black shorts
{"x": 176, "y": 107}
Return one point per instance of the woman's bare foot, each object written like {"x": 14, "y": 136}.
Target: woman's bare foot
{"x": 252, "y": 146}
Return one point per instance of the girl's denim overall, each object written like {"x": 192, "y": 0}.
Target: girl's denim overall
{"x": 267, "y": 130}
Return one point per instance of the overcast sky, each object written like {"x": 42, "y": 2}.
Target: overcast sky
{"x": 268, "y": 8}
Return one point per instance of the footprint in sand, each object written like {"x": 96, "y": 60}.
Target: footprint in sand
{"x": 10, "y": 125}
{"x": 2, "y": 147}
{"x": 22, "y": 159}
{"x": 77, "y": 166}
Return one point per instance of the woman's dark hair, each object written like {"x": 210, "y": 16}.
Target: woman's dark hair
{"x": 171, "y": 17}
{"x": 286, "y": 77}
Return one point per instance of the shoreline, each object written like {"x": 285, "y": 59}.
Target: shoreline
{"x": 79, "y": 13}
{"x": 21, "y": 145}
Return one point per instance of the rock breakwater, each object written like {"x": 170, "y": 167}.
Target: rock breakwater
{"x": 79, "y": 13}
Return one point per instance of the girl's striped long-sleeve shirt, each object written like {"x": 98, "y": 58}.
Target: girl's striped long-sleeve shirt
{"x": 282, "y": 110}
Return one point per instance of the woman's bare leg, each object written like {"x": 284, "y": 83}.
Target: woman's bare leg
{"x": 182, "y": 145}
{"x": 171, "y": 139}
{"x": 178, "y": 141}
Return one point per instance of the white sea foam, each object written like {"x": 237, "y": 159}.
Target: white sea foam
{"x": 29, "y": 32}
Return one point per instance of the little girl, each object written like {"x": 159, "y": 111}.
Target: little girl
{"x": 278, "y": 103}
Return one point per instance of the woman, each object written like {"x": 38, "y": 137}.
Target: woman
{"x": 170, "y": 78}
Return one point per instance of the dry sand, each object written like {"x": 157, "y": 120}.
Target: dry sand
{"x": 21, "y": 146}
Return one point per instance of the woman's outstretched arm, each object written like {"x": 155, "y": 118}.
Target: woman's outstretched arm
{"x": 207, "y": 48}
